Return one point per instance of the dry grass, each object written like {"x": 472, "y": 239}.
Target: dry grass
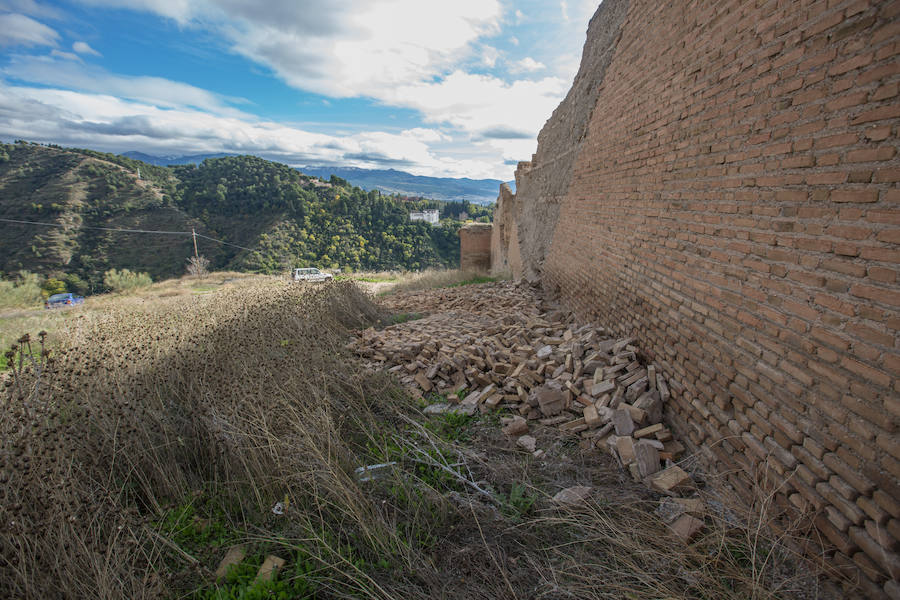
{"x": 634, "y": 555}
{"x": 435, "y": 278}
{"x": 230, "y": 401}
{"x": 32, "y": 319}
{"x": 243, "y": 392}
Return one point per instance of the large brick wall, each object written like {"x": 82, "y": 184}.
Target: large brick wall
{"x": 734, "y": 204}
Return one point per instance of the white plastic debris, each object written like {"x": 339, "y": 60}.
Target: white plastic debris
{"x": 370, "y": 472}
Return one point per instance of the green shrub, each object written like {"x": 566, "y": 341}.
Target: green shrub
{"x": 52, "y": 286}
{"x": 23, "y": 291}
{"x": 125, "y": 280}
{"x": 76, "y": 284}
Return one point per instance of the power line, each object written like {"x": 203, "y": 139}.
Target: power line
{"x": 206, "y": 237}
{"x": 98, "y": 228}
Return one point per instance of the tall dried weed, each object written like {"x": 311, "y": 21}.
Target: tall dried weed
{"x": 245, "y": 392}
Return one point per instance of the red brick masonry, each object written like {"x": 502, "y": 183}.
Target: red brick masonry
{"x": 734, "y": 204}
{"x": 475, "y": 247}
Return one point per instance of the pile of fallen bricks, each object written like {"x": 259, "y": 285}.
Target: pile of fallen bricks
{"x": 500, "y": 346}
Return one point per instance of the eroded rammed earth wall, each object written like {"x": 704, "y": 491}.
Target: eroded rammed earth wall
{"x": 721, "y": 183}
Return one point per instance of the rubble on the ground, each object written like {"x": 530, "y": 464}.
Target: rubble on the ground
{"x": 270, "y": 568}
{"x": 500, "y": 346}
{"x": 573, "y": 495}
{"x": 234, "y": 555}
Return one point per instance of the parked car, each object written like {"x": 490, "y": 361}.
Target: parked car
{"x": 61, "y": 300}
{"x": 311, "y": 274}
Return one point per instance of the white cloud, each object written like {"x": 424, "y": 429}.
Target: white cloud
{"x": 489, "y": 56}
{"x": 18, "y": 30}
{"x": 152, "y": 90}
{"x": 473, "y": 103}
{"x": 84, "y": 48}
{"x": 179, "y": 10}
{"x": 377, "y": 44}
{"x": 31, "y": 8}
{"x": 527, "y": 65}
{"x": 109, "y": 123}
{"x": 402, "y": 53}
{"x": 64, "y": 55}
{"x": 340, "y": 48}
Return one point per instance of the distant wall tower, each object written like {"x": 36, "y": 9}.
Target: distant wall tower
{"x": 475, "y": 247}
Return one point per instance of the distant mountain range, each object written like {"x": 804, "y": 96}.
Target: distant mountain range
{"x": 389, "y": 181}
{"x": 165, "y": 161}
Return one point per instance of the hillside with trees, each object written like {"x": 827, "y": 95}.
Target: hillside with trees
{"x": 267, "y": 217}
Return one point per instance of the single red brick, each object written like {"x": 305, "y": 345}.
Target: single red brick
{"x": 891, "y": 236}
{"x": 849, "y": 232}
{"x": 882, "y": 274}
{"x": 840, "y": 139}
{"x": 854, "y": 195}
{"x": 850, "y": 64}
{"x": 826, "y": 178}
{"x": 886, "y": 91}
{"x": 877, "y": 114}
{"x": 888, "y": 175}
{"x": 871, "y": 154}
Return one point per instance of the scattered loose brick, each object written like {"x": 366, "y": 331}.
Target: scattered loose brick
{"x": 269, "y": 569}
{"x": 686, "y": 527}
{"x": 671, "y": 480}
{"x": 234, "y": 556}
{"x": 527, "y": 442}
{"x": 572, "y": 495}
{"x": 516, "y": 427}
{"x": 622, "y": 422}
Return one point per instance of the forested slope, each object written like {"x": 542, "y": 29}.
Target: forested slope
{"x": 271, "y": 217}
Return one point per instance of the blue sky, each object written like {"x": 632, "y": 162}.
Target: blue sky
{"x": 456, "y": 89}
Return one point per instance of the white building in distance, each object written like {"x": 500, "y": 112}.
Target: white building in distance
{"x": 431, "y": 215}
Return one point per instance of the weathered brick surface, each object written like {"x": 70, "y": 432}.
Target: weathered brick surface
{"x": 475, "y": 247}
{"x": 505, "y": 257}
{"x": 734, "y": 204}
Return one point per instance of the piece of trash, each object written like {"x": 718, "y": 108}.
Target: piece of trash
{"x": 370, "y": 472}
{"x": 278, "y": 509}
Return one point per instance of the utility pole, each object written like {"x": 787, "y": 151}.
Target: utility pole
{"x": 196, "y": 254}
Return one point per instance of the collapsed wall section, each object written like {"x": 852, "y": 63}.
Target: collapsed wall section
{"x": 725, "y": 189}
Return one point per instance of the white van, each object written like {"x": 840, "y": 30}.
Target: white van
{"x": 311, "y": 274}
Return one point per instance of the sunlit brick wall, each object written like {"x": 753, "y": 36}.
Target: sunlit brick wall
{"x": 734, "y": 205}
